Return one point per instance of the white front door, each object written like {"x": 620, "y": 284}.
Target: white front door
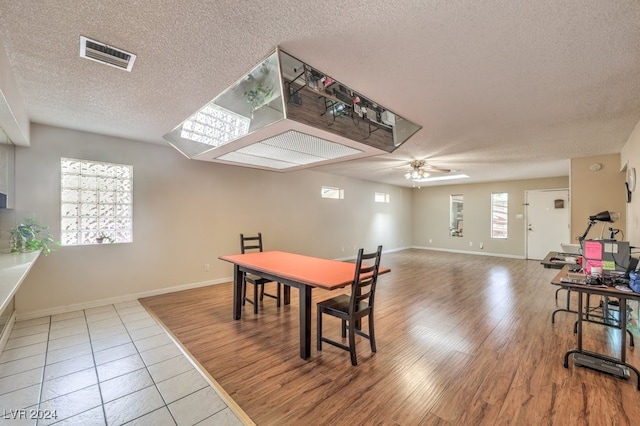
{"x": 547, "y": 221}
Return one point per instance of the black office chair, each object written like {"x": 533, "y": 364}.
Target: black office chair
{"x": 254, "y": 244}
{"x": 352, "y": 308}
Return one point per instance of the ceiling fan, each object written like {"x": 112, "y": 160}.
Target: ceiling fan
{"x": 420, "y": 169}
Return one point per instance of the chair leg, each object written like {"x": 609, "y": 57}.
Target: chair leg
{"x": 244, "y": 291}
{"x": 352, "y": 343}
{"x": 255, "y": 298}
{"x": 319, "y": 330}
{"x": 261, "y": 292}
{"x": 344, "y": 329}
{"x": 372, "y": 336}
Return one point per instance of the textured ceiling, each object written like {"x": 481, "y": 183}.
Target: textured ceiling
{"x": 502, "y": 89}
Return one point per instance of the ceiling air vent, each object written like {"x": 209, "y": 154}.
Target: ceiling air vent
{"x": 108, "y": 55}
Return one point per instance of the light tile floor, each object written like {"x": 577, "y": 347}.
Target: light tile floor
{"x": 110, "y": 365}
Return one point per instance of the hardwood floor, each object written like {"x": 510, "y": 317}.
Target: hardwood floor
{"x": 462, "y": 340}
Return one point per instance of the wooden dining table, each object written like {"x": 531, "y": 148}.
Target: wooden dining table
{"x": 293, "y": 270}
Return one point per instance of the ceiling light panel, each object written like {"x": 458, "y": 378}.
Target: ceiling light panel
{"x": 301, "y": 142}
{"x": 266, "y": 150}
{"x": 254, "y": 161}
{"x": 290, "y": 149}
{"x": 447, "y": 177}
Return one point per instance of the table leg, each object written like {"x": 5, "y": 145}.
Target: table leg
{"x": 579, "y": 332}
{"x": 287, "y": 294}
{"x": 623, "y": 338}
{"x": 305, "y": 321}
{"x": 623, "y": 328}
{"x": 567, "y": 309}
{"x": 237, "y": 293}
{"x": 580, "y": 315}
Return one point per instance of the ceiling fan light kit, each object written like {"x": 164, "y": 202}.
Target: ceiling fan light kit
{"x": 417, "y": 174}
{"x": 420, "y": 170}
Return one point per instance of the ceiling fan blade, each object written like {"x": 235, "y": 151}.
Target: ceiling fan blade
{"x": 410, "y": 165}
{"x": 434, "y": 169}
{"x": 405, "y": 167}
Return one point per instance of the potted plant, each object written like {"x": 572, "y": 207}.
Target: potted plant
{"x": 31, "y": 236}
{"x": 258, "y": 96}
{"x": 102, "y": 236}
{"x": 262, "y": 90}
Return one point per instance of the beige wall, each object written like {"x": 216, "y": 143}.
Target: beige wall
{"x": 431, "y": 216}
{"x": 596, "y": 191}
{"x": 186, "y": 214}
{"x": 631, "y": 157}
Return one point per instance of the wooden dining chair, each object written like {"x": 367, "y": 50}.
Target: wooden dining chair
{"x": 249, "y": 245}
{"x": 352, "y": 308}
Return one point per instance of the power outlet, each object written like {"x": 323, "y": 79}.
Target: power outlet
{"x": 430, "y": 240}
{"x": 207, "y": 267}
{"x": 481, "y": 245}
{"x": 470, "y": 243}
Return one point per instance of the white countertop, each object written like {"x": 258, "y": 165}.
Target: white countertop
{"x": 13, "y": 269}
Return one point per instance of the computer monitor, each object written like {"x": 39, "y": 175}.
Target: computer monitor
{"x": 611, "y": 256}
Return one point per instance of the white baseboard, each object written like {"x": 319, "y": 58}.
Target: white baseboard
{"x": 396, "y": 249}
{"x": 479, "y": 253}
{"x": 353, "y": 257}
{"x": 113, "y": 300}
{"x": 21, "y": 316}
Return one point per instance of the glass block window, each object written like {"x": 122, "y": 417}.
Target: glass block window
{"x": 96, "y": 202}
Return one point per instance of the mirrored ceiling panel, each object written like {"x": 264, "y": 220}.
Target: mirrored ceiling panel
{"x": 284, "y": 94}
{"x": 250, "y": 104}
{"x": 320, "y": 100}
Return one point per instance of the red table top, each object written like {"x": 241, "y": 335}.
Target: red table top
{"x": 313, "y": 271}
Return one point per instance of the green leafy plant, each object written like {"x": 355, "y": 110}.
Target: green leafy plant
{"x": 31, "y": 236}
{"x": 256, "y": 97}
{"x": 102, "y": 236}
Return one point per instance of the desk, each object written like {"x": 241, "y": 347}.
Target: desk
{"x": 622, "y": 296}
{"x": 14, "y": 267}
{"x": 557, "y": 260}
{"x": 293, "y": 270}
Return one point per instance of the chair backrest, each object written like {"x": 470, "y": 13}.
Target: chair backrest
{"x": 250, "y": 244}
{"x": 363, "y": 288}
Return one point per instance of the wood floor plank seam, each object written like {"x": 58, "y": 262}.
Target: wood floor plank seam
{"x": 462, "y": 340}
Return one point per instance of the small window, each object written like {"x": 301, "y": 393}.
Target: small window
{"x": 96, "y": 202}
{"x": 499, "y": 214}
{"x": 335, "y": 193}
{"x": 456, "y": 215}
{"x": 381, "y": 197}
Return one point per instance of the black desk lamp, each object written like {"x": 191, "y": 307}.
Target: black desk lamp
{"x": 605, "y": 216}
